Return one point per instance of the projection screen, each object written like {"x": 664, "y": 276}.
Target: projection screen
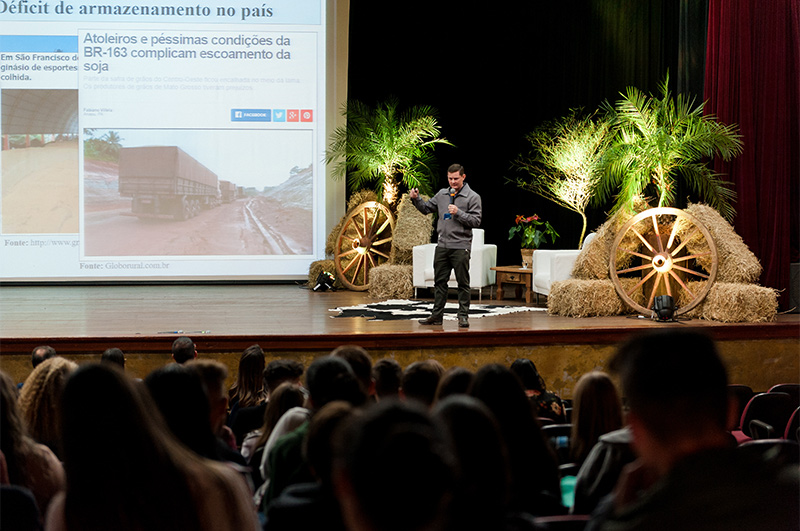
{"x": 163, "y": 140}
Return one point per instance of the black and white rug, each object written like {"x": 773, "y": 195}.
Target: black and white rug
{"x": 397, "y": 309}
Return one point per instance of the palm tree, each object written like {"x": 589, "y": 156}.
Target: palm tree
{"x": 386, "y": 147}
{"x": 565, "y": 163}
{"x": 661, "y": 139}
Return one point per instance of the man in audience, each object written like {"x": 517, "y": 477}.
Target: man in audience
{"x": 115, "y": 356}
{"x": 387, "y": 374}
{"x": 420, "y": 380}
{"x": 42, "y": 353}
{"x": 689, "y": 475}
{"x": 183, "y": 350}
{"x": 361, "y": 363}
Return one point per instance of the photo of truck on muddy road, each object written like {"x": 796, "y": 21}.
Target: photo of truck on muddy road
{"x": 166, "y": 182}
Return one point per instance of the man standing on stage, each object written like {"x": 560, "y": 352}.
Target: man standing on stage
{"x": 459, "y": 211}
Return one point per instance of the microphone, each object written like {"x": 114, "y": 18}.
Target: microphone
{"x": 452, "y": 200}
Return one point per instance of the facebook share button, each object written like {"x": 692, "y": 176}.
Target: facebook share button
{"x": 251, "y": 115}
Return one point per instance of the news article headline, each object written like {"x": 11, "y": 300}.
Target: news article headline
{"x": 28, "y": 8}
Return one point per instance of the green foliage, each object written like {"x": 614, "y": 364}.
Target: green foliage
{"x": 661, "y": 140}
{"x": 104, "y": 148}
{"x": 532, "y": 231}
{"x": 565, "y": 163}
{"x": 382, "y": 147}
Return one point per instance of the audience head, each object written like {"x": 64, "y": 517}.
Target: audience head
{"x": 393, "y": 469}
{"x": 113, "y": 355}
{"x": 249, "y": 387}
{"x": 39, "y": 399}
{"x": 360, "y": 362}
{"x": 596, "y": 410}
{"x": 676, "y": 388}
{"x": 213, "y": 374}
{"x": 42, "y": 353}
{"x": 387, "y": 374}
{"x": 281, "y": 400}
{"x": 318, "y": 446}
{"x": 183, "y": 350}
{"x": 330, "y": 378}
{"x": 527, "y": 373}
{"x": 119, "y": 458}
{"x": 483, "y": 474}
{"x": 420, "y": 381}
{"x": 456, "y": 380}
{"x": 182, "y": 399}
{"x": 280, "y": 371}
{"x": 13, "y": 435}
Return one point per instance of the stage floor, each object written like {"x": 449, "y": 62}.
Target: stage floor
{"x": 291, "y": 319}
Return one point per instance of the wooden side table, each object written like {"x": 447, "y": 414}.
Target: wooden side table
{"x": 516, "y": 275}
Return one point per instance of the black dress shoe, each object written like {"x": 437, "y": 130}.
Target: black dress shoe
{"x": 463, "y": 322}
{"x": 432, "y": 320}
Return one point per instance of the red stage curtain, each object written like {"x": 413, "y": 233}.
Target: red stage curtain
{"x": 752, "y": 78}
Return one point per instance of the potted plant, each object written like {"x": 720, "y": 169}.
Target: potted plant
{"x": 662, "y": 140}
{"x": 385, "y": 147}
{"x": 532, "y": 232}
{"x": 565, "y": 164}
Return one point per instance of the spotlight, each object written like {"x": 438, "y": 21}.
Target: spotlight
{"x": 664, "y": 308}
{"x": 325, "y": 281}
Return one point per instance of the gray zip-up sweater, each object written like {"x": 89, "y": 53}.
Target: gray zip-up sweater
{"x": 454, "y": 233}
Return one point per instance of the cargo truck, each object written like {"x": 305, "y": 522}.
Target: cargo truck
{"x": 164, "y": 182}
{"x": 228, "y": 191}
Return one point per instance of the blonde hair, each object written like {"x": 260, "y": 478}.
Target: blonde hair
{"x": 39, "y": 400}
{"x": 597, "y": 410}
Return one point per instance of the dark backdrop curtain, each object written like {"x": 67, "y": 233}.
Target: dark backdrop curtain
{"x": 753, "y": 79}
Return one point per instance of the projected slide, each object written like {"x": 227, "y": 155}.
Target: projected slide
{"x": 161, "y": 141}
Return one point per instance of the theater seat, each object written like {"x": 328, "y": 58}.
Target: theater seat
{"x": 483, "y": 257}
{"x": 772, "y": 409}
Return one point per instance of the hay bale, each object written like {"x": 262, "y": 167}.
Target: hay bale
{"x": 592, "y": 262}
{"x": 730, "y": 302}
{"x": 590, "y": 298}
{"x": 737, "y": 263}
{"x": 391, "y": 282}
{"x": 361, "y": 196}
{"x": 318, "y": 267}
{"x": 411, "y": 229}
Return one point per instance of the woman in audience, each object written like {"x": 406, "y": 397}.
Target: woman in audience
{"x": 535, "y": 486}
{"x": 39, "y": 398}
{"x": 282, "y": 399}
{"x": 28, "y": 464}
{"x": 596, "y": 410}
{"x": 126, "y": 470}
{"x": 456, "y": 380}
{"x": 248, "y": 391}
{"x": 548, "y": 404}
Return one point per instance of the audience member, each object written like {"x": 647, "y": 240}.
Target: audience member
{"x": 42, "y": 353}
{"x": 250, "y": 418}
{"x": 481, "y": 488}
{"x": 181, "y": 397}
{"x": 601, "y": 469}
{"x": 387, "y": 374}
{"x": 548, "y": 404}
{"x": 183, "y": 350}
{"x": 284, "y": 398}
{"x": 596, "y": 410}
{"x": 39, "y": 398}
{"x": 27, "y": 463}
{"x": 328, "y": 378}
{"x": 688, "y": 475}
{"x": 113, "y": 355}
{"x": 393, "y": 470}
{"x": 313, "y": 505}
{"x": 420, "y": 381}
{"x": 214, "y": 374}
{"x": 124, "y": 468}
{"x": 456, "y": 380}
{"x": 361, "y": 363}
{"x": 248, "y": 390}
{"x": 535, "y": 483}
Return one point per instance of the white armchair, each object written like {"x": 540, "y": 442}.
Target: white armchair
{"x": 553, "y": 265}
{"x": 483, "y": 257}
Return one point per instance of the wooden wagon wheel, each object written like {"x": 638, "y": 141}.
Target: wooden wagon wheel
{"x": 364, "y": 242}
{"x": 662, "y": 258}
